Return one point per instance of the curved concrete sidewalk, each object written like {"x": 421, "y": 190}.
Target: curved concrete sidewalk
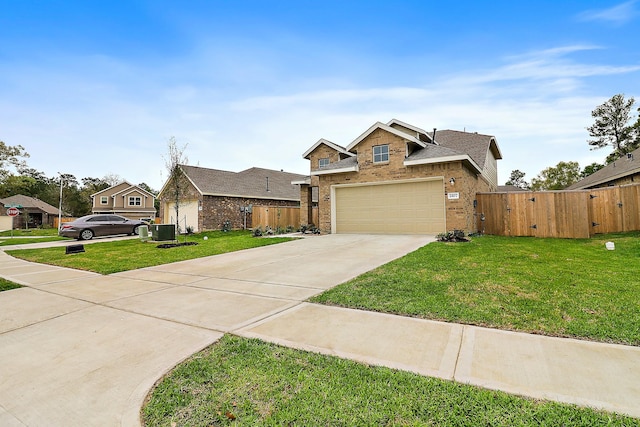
{"x": 83, "y": 349}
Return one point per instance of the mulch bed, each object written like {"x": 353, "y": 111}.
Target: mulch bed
{"x": 175, "y": 245}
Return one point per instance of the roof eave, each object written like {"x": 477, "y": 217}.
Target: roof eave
{"x": 332, "y": 171}
{"x": 461, "y": 157}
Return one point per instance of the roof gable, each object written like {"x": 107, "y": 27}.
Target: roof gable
{"x": 387, "y": 128}
{"x": 420, "y": 134}
{"x": 329, "y": 144}
{"x": 111, "y": 190}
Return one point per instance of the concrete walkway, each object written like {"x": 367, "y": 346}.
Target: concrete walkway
{"x": 81, "y": 349}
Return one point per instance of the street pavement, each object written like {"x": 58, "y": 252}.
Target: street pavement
{"x": 82, "y": 349}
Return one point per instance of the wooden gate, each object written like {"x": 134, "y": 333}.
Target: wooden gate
{"x": 565, "y": 214}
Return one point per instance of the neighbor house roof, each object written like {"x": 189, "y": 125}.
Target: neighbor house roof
{"x": 624, "y": 166}
{"x": 30, "y": 203}
{"x": 509, "y": 189}
{"x": 255, "y": 183}
{"x": 109, "y": 191}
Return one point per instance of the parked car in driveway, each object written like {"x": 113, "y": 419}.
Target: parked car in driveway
{"x": 86, "y": 227}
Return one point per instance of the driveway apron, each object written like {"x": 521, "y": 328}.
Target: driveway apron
{"x": 82, "y": 349}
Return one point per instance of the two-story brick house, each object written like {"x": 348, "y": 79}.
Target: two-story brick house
{"x": 396, "y": 178}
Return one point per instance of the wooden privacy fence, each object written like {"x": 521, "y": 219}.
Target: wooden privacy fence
{"x": 274, "y": 217}
{"x": 566, "y": 214}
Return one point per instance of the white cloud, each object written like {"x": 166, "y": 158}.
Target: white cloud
{"x": 616, "y": 15}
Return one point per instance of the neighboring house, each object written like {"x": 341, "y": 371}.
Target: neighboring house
{"x": 124, "y": 199}
{"x": 396, "y": 178}
{"x": 509, "y": 189}
{"x": 625, "y": 170}
{"x": 211, "y": 197}
{"x": 33, "y": 210}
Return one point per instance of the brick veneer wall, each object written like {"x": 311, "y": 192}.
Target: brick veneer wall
{"x": 218, "y": 209}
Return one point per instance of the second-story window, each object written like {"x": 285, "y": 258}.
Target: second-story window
{"x": 135, "y": 201}
{"x": 323, "y": 162}
{"x": 104, "y": 200}
{"x": 380, "y": 153}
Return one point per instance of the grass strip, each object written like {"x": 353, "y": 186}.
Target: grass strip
{"x": 6, "y": 285}
{"x": 124, "y": 255}
{"x": 247, "y": 382}
{"x": 559, "y": 287}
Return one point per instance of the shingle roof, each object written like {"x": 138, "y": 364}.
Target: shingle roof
{"x": 349, "y": 162}
{"x": 432, "y": 151}
{"x": 254, "y": 182}
{"x": 30, "y": 203}
{"x": 622, "y": 167}
{"x": 474, "y": 144}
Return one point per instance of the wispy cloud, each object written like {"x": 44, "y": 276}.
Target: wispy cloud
{"x": 616, "y": 15}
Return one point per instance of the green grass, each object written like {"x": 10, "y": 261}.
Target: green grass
{"x": 51, "y": 232}
{"x": 123, "y": 255}
{"x": 8, "y": 241}
{"x": 6, "y": 285}
{"x": 247, "y": 382}
{"x": 560, "y": 287}
{"x": 32, "y": 235}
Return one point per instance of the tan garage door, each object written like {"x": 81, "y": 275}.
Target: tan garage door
{"x": 415, "y": 207}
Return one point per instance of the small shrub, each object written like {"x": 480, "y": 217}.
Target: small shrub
{"x": 189, "y": 229}
{"x": 452, "y": 236}
{"x": 257, "y": 232}
{"x": 226, "y": 226}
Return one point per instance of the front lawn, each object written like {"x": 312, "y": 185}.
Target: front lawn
{"x": 123, "y": 255}
{"x": 244, "y": 382}
{"x": 561, "y": 287}
{"x": 49, "y": 232}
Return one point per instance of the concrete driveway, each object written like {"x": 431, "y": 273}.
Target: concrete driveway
{"x": 81, "y": 349}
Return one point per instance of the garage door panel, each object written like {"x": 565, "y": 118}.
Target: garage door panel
{"x": 394, "y": 208}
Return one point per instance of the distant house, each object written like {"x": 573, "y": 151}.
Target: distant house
{"x": 213, "y": 197}
{"x": 124, "y": 199}
{"x": 625, "y": 170}
{"x": 396, "y": 178}
{"x": 34, "y": 212}
{"x": 509, "y": 189}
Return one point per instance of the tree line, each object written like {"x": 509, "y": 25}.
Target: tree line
{"x": 16, "y": 177}
{"x": 615, "y": 126}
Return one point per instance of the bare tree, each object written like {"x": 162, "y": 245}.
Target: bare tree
{"x": 176, "y": 186}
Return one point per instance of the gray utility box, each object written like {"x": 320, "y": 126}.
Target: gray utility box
{"x": 160, "y": 232}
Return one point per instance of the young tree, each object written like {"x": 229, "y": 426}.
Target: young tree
{"x": 176, "y": 186}
{"x": 557, "y": 178}
{"x": 612, "y": 128}
{"x": 517, "y": 179}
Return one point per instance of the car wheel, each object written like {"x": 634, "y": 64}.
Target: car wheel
{"x": 135, "y": 230}
{"x": 86, "y": 235}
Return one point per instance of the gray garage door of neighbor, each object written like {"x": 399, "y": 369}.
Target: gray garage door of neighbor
{"x": 407, "y": 207}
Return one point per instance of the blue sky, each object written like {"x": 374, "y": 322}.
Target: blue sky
{"x": 93, "y": 88}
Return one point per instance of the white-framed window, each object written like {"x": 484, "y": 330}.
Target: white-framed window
{"x": 323, "y": 162}
{"x": 380, "y": 153}
{"x": 104, "y": 200}
{"x": 135, "y": 201}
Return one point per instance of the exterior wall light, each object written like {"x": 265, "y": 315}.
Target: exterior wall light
{"x": 452, "y": 181}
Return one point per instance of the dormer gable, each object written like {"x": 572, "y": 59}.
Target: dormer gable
{"x": 343, "y": 153}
